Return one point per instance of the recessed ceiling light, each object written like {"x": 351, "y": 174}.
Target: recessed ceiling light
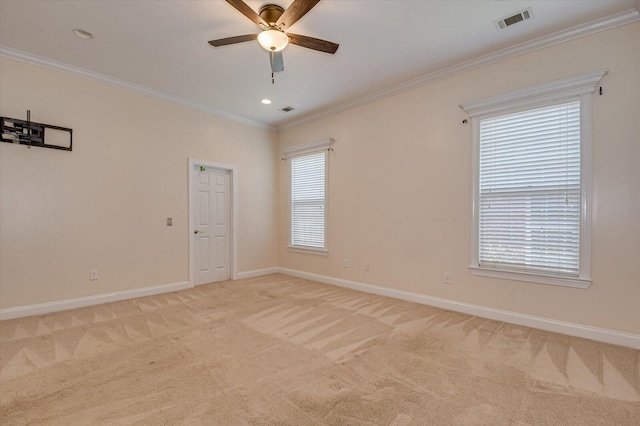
{"x": 266, "y": 101}
{"x": 86, "y": 35}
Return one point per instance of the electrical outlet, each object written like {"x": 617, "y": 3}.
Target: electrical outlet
{"x": 345, "y": 263}
{"x": 169, "y": 221}
{"x": 366, "y": 266}
{"x": 447, "y": 278}
{"x": 93, "y": 275}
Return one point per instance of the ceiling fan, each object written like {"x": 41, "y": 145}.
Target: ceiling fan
{"x": 273, "y": 20}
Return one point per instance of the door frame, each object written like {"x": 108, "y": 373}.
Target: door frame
{"x": 233, "y": 186}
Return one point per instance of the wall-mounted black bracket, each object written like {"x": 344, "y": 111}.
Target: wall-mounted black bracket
{"x": 29, "y": 133}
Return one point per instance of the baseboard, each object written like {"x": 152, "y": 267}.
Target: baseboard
{"x": 571, "y": 329}
{"x": 258, "y": 272}
{"x": 81, "y": 302}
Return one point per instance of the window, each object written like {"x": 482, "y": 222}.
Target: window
{"x": 529, "y": 190}
{"x": 531, "y": 201}
{"x": 308, "y": 196}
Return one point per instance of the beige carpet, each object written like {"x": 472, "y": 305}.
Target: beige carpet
{"x": 278, "y": 350}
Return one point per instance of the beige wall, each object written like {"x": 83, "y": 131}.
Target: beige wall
{"x": 104, "y": 205}
{"x": 400, "y": 187}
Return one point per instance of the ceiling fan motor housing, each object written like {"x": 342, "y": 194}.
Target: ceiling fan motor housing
{"x": 270, "y": 13}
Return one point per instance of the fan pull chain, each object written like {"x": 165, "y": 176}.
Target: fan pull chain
{"x": 273, "y": 80}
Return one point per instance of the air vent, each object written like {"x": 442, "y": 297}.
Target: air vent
{"x": 523, "y": 15}
{"x": 287, "y": 109}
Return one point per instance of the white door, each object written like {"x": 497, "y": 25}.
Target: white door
{"x": 212, "y": 248}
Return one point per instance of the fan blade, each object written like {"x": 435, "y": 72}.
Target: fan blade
{"x": 313, "y": 43}
{"x": 294, "y": 12}
{"x": 233, "y": 40}
{"x": 246, "y": 10}
{"x": 277, "y": 61}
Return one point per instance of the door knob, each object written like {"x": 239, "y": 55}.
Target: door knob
{"x": 196, "y": 232}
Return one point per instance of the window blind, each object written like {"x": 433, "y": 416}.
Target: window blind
{"x": 308, "y": 200}
{"x": 529, "y": 191}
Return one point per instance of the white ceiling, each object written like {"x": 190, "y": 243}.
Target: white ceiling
{"x": 162, "y": 45}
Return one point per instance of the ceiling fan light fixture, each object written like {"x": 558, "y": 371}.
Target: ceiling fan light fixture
{"x": 273, "y": 40}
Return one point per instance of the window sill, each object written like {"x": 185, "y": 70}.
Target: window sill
{"x": 530, "y": 277}
{"x": 309, "y": 250}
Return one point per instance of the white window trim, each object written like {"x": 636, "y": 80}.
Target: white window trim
{"x": 577, "y": 87}
{"x": 306, "y": 149}
{"x": 309, "y": 250}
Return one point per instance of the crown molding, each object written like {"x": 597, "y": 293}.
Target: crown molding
{"x": 608, "y": 22}
{"x": 122, "y": 84}
{"x": 621, "y": 18}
